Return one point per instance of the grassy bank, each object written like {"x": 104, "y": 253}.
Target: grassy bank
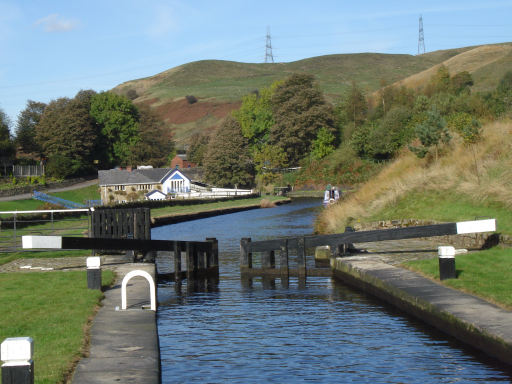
{"x": 77, "y": 195}
{"x": 190, "y": 209}
{"x": 54, "y": 309}
{"x": 465, "y": 182}
{"x": 487, "y": 274}
{"x": 6, "y": 257}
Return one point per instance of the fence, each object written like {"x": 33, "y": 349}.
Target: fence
{"x": 56, "y": 200}
{"x": 339, "y": 244}
{"x": 27, "y": 170}
{"x": 187, "y": 259}
{"x": 15, "y": 224}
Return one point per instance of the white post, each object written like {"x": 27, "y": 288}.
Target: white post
{"x": 152, "y": 289}
{"x": 18, "y": 367}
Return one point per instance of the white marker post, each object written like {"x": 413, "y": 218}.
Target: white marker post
{"x": 18, "y": 367}
{"x": 94, "y": 272}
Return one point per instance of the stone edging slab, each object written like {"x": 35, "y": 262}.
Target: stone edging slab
{"x": 470, "y": 319}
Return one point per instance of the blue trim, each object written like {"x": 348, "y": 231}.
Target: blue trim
{"x": 176, "y": 176}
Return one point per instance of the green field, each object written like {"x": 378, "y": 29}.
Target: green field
{"x": 77, "y": 195}
{"x": 54, "y": 309}
{"x": 487, "y": 274}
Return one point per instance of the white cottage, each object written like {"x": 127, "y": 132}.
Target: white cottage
{"x": 176, "y": 182}
{"x": 123, "y": 185}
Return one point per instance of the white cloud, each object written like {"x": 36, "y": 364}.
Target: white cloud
{"x": 56, "y": 23}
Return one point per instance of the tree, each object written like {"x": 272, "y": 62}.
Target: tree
{"x": 299, "y": 111}
{"x": 431, "y": 133}
{"x": 227, "y": 161}
{"x": 323, "y": 145}
{"x": 117, "y": 119}
{"x": 198, "y": 148}
{"x": 255, "y": 116}
{"x": 390, "y": 134}
{"x": 26, "y": 126}
{"x": 67, "y": 130}
{"x": 354, "y": 108}
{"x": 155, "y": 146}
{"x": 269, "y": 160}
{"x": 461, "y": 82}
{"x": 440, "y": 81}
{"x": 7, "y": 147}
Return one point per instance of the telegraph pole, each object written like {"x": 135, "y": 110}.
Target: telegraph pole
{"x": 421, "y": 38}
{"x": 269, "y": 57}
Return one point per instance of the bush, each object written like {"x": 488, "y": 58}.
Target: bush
{"x": 60, "y": 166}
{"x": 132, "y": 94}
{"x": 191, "y": 99}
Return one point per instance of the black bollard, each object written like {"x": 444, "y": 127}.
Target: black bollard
{"x": 94, "y": 272}
{"x": 447, "y": 263}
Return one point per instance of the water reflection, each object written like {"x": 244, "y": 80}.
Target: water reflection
{"x": 271, "y": 330}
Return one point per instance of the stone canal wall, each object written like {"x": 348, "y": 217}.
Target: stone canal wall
{"x": 472, "y": 320}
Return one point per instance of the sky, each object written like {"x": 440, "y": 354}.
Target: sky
{"x": 55, "y": 48}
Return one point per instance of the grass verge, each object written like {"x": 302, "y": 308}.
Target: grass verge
{"x": 189, "y": 209}
{"x": 440, "y": 206}
{"x": 487, "y": 274}
{"x": 53, "y": 308}
{"x": 6, "y": 257}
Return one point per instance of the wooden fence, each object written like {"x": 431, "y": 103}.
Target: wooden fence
{"x": 339, "y": 244}
{"x": 128, "y": 223}
{"x": 201, "y": 258}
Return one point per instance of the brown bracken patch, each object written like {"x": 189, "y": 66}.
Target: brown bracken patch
{"x": 181, "y": 112}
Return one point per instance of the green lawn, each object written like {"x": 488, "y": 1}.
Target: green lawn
{"x": 77, "y": 195}
{"x": 20, "y": 205}
{"x": 53, "y": 309}
{"x": 80, "y": 195}
{"x": 6, "y": 257}
{"x": 487, "y": 274}
{"x": 445, "y": 207}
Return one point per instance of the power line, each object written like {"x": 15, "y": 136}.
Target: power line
{"x": 421, "y": 38}
{"x": 269, "y": 57}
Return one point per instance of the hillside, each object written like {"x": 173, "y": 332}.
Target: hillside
{"x": 465, "y": 183}
{"x": 220, "y": 85}
{"x": 487, "y": 64}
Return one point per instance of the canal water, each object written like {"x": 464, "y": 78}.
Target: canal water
{"x": 323, "y": 332}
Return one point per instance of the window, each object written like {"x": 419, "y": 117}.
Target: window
{"x": 119, "y": 187}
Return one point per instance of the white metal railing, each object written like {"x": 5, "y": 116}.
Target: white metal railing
{"x": 15, "y": 224}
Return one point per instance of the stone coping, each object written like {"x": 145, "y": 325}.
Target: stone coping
{"x": 470, "y": 319}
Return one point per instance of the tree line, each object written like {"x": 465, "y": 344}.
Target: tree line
{"x": 91, "y": 131}
{"x": 275, "y": 127}
{"x": 290, "y": 123}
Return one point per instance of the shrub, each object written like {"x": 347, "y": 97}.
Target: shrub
{"x": 61, "y": 166}
{"x": 191, "y": 99}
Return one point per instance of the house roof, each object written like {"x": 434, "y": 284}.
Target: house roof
{"x": 155, "y": 191}
{"x": 143, "y": 176}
